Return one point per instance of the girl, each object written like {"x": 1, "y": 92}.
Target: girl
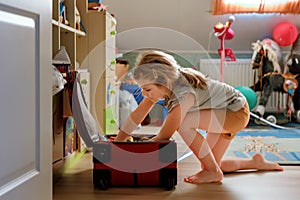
{"x": 194, "y": 102}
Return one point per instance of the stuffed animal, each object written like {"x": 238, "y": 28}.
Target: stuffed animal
{"x": 77, "y": 19}
{"x": 94, "y": 3}
{"x": 63, "y": 13}
{"x": 58, "y": 80}
{"x": 224, "y": 32}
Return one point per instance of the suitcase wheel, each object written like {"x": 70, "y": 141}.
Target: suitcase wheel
{"x": 168, "y": 178}
{"x": 170, "y": 184}
{"x": 101, "y": 179}
{"x": 102, "y": 184}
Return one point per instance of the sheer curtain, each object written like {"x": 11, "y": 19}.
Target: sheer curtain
{"x": 220, "y": 7}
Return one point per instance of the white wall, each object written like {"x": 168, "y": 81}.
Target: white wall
{"x": 184, "y": 24}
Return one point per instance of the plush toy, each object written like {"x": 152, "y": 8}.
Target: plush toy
{"x": 128, "y": 138}
{"x": 58, "y": 81}
{"x": 63, "y": 13}
{"x": 77, "y": 19}
{"x": 224, "y": 32}
{"x": 96, "y": 5}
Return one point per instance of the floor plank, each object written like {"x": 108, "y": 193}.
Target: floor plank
{"x": 76, "y": 184}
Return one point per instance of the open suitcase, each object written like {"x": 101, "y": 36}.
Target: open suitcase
{"x": 129, "y": 164}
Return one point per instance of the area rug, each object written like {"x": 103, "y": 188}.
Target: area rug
{"x": 278, "y": 145}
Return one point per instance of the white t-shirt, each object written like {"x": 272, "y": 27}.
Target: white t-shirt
{"x": 216, "y": 95}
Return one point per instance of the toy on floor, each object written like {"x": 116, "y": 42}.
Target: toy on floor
{"x": 266, "y": 61}
{"x": 292, "y": 63}
{"x": 275, "y": 77}
{"x": 224, "y": 32}
{"x": 249, "y": 94}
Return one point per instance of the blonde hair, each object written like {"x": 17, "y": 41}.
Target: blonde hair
{"x": 162, "y": 69}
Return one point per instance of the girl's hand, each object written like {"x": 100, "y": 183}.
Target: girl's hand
{"x": 144, "y": 139}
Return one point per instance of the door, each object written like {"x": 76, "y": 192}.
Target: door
{"x": 25, "y": 106}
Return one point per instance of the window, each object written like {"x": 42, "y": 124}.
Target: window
{"x": 220, "y": 7}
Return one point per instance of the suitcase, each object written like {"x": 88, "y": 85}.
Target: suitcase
{"x": 128, "y": 164}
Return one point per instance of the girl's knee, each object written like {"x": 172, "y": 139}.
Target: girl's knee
{"x": 185, "y": 127}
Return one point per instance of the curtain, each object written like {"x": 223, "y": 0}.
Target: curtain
{"x": 220, "y": 7}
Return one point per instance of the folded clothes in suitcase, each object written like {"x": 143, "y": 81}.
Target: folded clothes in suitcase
{"x": 131, "y": 164}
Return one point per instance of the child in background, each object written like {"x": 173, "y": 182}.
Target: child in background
{"x": 194, "y": 102}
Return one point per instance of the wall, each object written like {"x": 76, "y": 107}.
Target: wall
{"x": 186, "y": 25}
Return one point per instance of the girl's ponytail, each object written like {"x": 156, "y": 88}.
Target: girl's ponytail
{"x": 194, "y": 78}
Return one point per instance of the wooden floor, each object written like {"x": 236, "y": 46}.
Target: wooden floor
{"x": 76, "y": 184}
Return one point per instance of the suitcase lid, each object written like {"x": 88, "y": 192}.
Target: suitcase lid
{"x": 86, "y": 125}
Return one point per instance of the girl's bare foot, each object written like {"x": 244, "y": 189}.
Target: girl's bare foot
{"x": 205, "y": 176}
{"x": 262, "y": 164}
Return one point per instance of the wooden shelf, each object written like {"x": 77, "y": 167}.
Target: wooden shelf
{"x": 68, "y": 28}
{"x": 93, "y": 53}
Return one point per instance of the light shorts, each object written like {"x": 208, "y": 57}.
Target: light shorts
{"x": 235, "y": 121}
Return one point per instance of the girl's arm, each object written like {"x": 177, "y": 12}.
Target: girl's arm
{"x": 134, "y": 119}
{"x": 174, "y": 118}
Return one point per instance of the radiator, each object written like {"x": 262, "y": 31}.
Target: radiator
{"x": 240, "y": 73}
